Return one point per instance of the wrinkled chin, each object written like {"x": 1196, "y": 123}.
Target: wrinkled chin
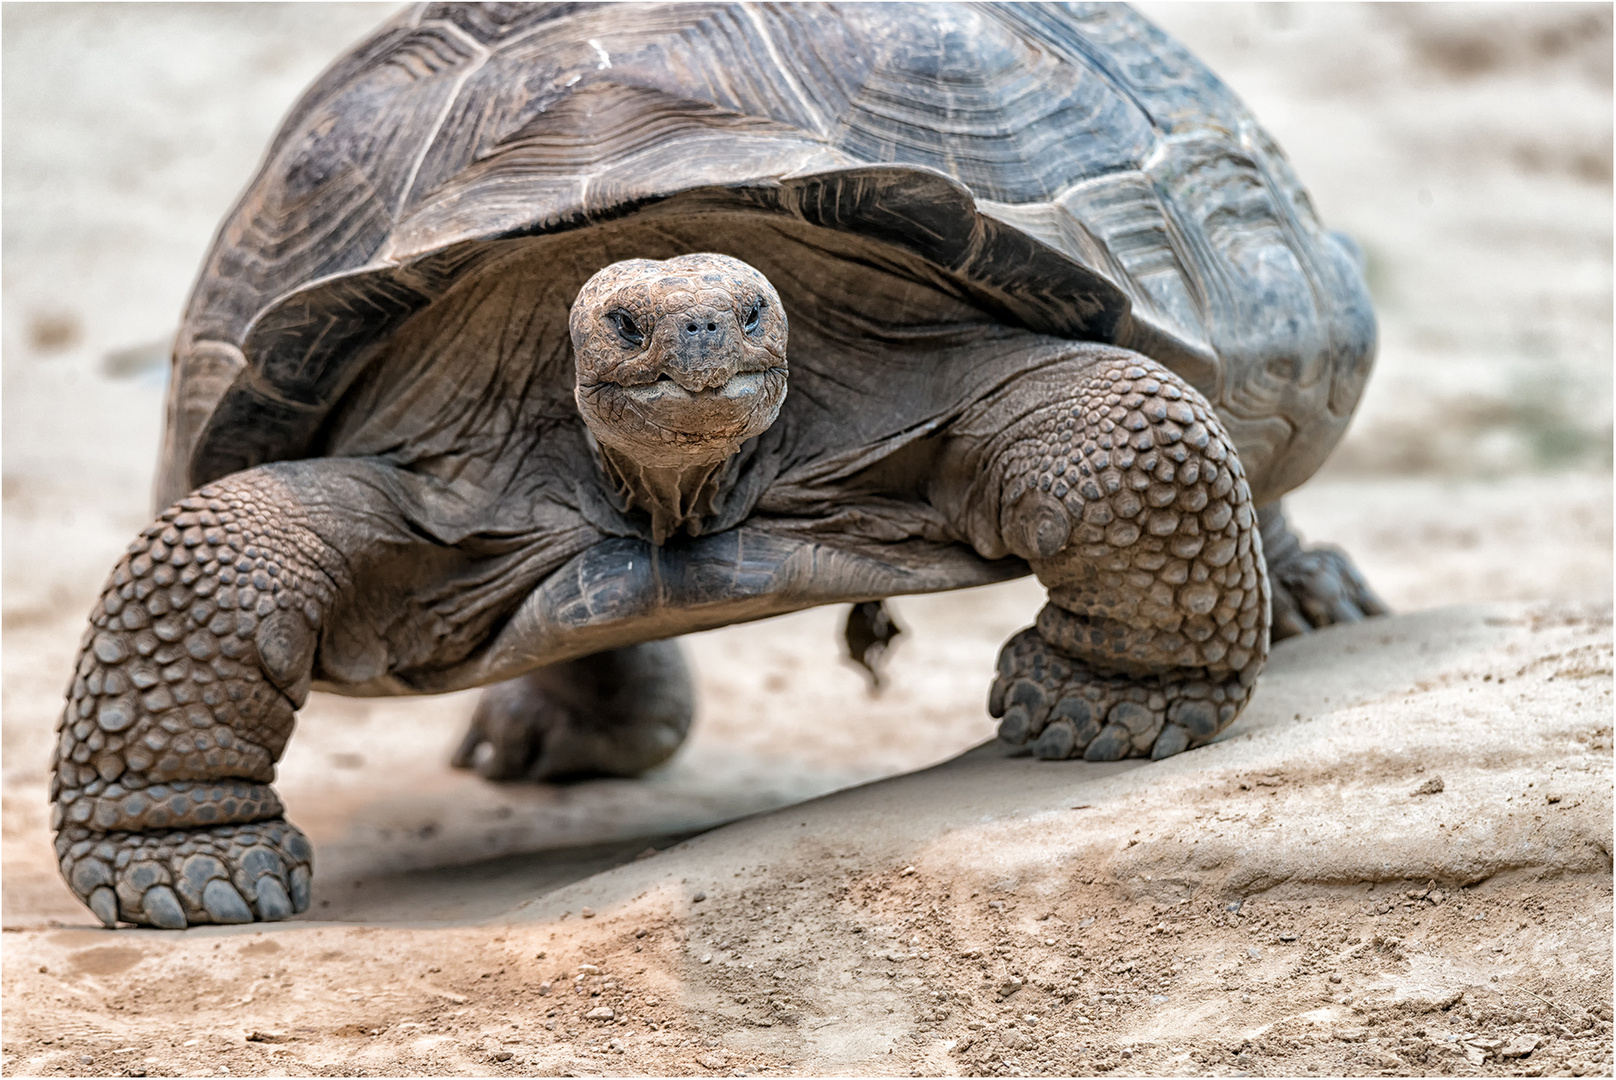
{"x": 661, "y": 424}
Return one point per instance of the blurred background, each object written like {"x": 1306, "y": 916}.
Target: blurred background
{"x": 1466, "y": 147}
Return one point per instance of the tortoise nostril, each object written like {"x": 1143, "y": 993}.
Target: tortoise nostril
{"x": 711, "y": 327}
{"x": 690, "y": 328}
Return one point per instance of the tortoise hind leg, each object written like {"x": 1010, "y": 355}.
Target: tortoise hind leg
{"x": 1311, "y": 587}
{"x": 613, "y": 713}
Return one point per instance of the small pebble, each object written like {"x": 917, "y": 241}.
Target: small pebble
{"x": 588, "y": 913}
{"x": 86, "y": 1059}
{"x": 503, "y": 1055}
{"x": 1521, "y": 1046}
{"x": 698, "y": 898}
{"x": 601, "y": 1013}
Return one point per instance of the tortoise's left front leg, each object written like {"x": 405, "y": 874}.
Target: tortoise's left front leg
{"x": 1113, "y": 478}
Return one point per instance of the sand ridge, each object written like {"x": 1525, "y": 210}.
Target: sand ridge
{"x": 1341, "y": 884}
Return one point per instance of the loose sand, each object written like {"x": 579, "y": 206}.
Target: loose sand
{"x": 1397, "y": 860}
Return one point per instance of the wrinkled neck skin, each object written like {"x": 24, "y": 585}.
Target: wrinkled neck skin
{"x": 679, "y": 363}
{"x": 677, "y": 498}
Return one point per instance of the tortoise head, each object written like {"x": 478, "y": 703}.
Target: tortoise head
{"x": 680, "y": 361}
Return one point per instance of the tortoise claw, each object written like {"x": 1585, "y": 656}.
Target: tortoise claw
{"x": 163, "y": 908}
{"x": 104, "y": 902}
{"x": 273, "y": 903}
{"x": 223, "y": 875}
{"x": 1057, "y": 742}
{"x": 1059, "y": 708}
{"x": 221, "y": 901}
{"x": 300, "y": 889}
{"x": 1111, "y": 744}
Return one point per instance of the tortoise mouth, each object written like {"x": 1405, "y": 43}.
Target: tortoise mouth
{"x": 741, "y": 386}
{"x": 653, "y": 421}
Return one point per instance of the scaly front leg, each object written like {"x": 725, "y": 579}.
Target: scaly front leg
{"x": 1119, "y": 486}
{"x": 196, "y": 658}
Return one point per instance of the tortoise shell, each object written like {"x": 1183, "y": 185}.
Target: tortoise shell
{"x": 1067, "y": 169}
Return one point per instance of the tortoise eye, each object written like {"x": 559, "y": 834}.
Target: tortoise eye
{"x": 627, "y": 328}
{"x": 753, "y": 317}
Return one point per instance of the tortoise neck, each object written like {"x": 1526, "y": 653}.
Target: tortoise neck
{"x": 676, "y": 497}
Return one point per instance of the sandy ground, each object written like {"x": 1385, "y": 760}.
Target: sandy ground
{"x": 1398, "y": 860}
{"x": 1469, "y": 151}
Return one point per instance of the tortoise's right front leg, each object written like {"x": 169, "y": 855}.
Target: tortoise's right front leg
{"x": 196, "y": 658}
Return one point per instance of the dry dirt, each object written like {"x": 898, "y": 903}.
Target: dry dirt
{"x": 1398, "y": 861}
{"x": 1282, "y": 902}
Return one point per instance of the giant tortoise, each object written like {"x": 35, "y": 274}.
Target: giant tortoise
{"x": 487, "y": 379}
